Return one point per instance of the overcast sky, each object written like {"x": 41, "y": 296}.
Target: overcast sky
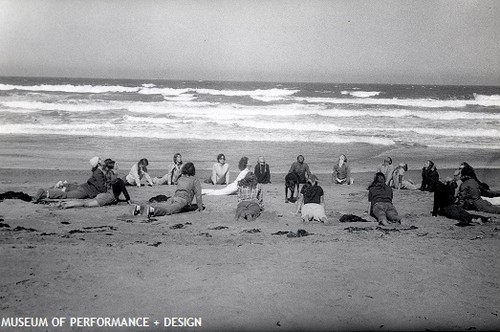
{"x": 433, "y": 42}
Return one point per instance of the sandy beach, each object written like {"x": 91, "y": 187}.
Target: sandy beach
{"x": 426, "y": 273}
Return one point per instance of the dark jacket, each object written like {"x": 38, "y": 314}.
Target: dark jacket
{"x": 444, "y": 195}
{"x": 263, "y": 176}
{"x": 430, "y": 178}
{"x": 96, "y": 184}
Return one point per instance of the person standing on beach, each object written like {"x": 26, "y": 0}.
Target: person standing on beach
{"x": 380, "y": 197}
{"x": 95, "y": 185}
{"x": 137, "y": 173}
{"x": 188, "y": 187}
{"x": 220, "y": 171}
{"x": 386, "y": 168}
{"x": 174, "y": 172}
{"x": 301, "y": 169}
{"x": 342, "y": 171}
{"x": 262, "y": 172}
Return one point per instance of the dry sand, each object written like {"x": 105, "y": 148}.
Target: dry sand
{"x": 85, "y": 262}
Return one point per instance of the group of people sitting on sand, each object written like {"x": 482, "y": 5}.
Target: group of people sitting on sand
{"x": 451, "y": 199}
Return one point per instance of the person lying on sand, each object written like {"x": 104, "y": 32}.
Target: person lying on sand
{"x": 311, "y": 203}
{"x": 380, "y": 198}
{"x": 95, "y": 185}
{"x": 444, "y": 205}
{"x": 114, "y": 185}
{"x": 231, "y": 188}
{"x": 188, "y": 187}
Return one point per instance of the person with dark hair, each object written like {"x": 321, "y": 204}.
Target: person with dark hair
{"x": 220, "y": 171}
{"x": 173, "y": 172}
{"x": 114, "y": 185}
{"x": 250, "y": 198}
{"x": 138, "y": 171}
{"x": 469, "y": 195}
{"x": 311, "y": 203}
{"x": 188, "y": 187}
{"x": 444, "y": 205}
{"x": 386, "y": 168}
{"x": 262, "y": 172}
{"x": 95, "y": 185}
{"x": 430, "y": 176}
{"x": 380, "y": 197}
{"x": 232, "y": 188}
{"x": 486, "y": 191}
{"x": 398, "y": 179}
{"x": 301, "y": 169}
{"x": 342, "y": 171}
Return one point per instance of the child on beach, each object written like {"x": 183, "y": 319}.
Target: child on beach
{"x": 311, "y": 203}
{"x": 188, "y": 187}
{"x": 250, "y": 199}
{"x": 231, "y": 188}
{"x": 95, "y": 185}
{"x": 115, "y": 187}
{"x": 137, "y": 173}
{"x": 220, "y": 171}
{"x": 342, "y": 171}
{"x": 380, "y": 198}
{"x": 174, "y": 172}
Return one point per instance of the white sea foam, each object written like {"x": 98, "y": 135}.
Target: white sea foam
{"x": 259, "y": 93}
{"x": 70, "y": 88}
{"x": 429, "y": 103}
{"x": 361, "y": 94}
{"x": 163, "y": 91}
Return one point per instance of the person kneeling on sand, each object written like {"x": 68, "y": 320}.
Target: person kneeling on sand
{"x": 380, "y": 198}
{"x": 250, "y": 200}
{"x": 95, "y": 185}
{"x": 311, "y": 202}
{"x": 188, "y": 187}
{"x": 114, "y": 185}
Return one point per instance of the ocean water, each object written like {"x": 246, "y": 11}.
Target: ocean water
{"x": 412, "y": 115}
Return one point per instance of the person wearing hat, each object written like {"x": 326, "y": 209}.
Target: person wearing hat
{"x": 311, "y": 202}
{"x": 95, "y": 185}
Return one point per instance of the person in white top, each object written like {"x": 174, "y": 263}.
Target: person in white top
{"x": 231, "y": 188}
{"x": 137, "y": 173}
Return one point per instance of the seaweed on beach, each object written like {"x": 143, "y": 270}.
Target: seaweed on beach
{"x": 251, "y": 231}
{"x": 280, "y": 233}
{"x": 358, "y": 229}
{"x": 95, "y": 229}
{"x": 217, "y": 228}
{"x": 21, "y": 228}
{"x": 300, "y": 233}
{"x": 177, "y": 226}
{"x": 2, "y": 225}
